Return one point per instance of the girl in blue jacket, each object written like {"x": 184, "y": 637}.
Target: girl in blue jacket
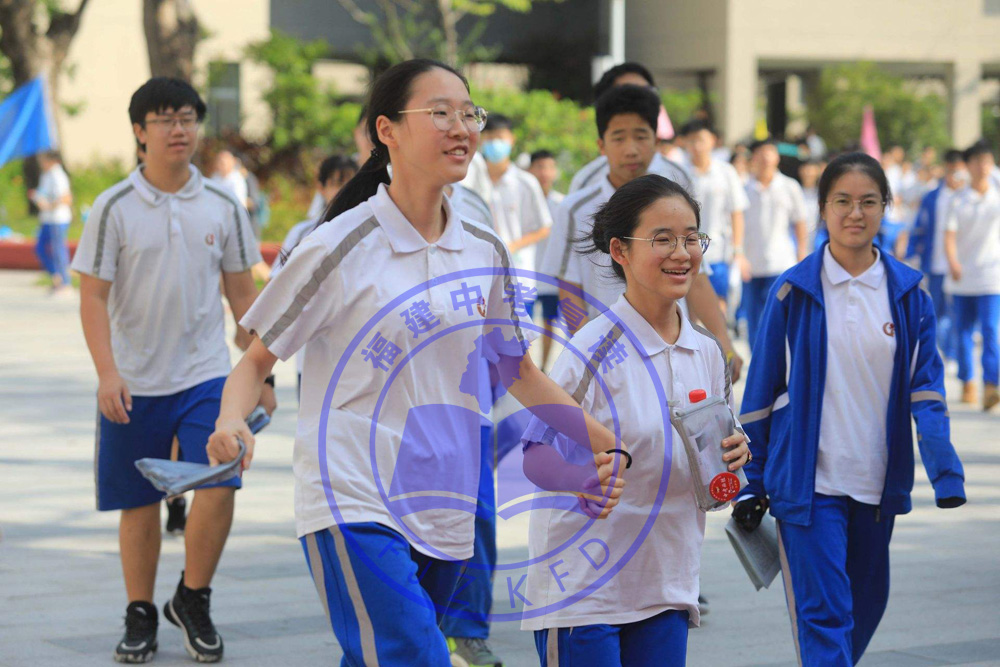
{"x": 846, "y": 354}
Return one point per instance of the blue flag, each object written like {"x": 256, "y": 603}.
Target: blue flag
{"x": 26, "y": 122}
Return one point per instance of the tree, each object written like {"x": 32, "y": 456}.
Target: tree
{"x": 902, "y": 115}
{"x": 404, "y": 29}
{"x": 172, "y": 33}
{"x": 38, "y": 50}
{"x": 305, "y": 114}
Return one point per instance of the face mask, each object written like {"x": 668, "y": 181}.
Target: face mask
{"x": 496, "y": 150}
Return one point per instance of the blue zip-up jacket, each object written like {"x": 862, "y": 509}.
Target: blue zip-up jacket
{"x": 784, "y": 395}
{"x": 922, "y": 235}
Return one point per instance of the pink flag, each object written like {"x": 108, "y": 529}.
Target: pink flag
{"x": 869, "y": 134}
{"x": 664, "y": 128}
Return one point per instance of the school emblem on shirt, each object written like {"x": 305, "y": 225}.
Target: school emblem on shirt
{"x": 463, "y": 319}
{"x": 209, "y": 239}
{"x": 889, "y": 329}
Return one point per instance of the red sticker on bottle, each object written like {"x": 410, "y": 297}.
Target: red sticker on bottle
{"x": 724, "y": 487}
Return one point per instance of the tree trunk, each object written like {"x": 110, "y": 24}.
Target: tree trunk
{"x": 172, "y": 33}
{"x": 449, "y": 19}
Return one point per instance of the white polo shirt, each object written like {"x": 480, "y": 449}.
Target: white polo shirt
{"x": 519, "y": 208}
{"x": 976, "y": 220}
{"x": 52, "y": 186}
{"x": 598, "y": 169}
{"x": 720, "y": 194}
{"x": 939, "y": 258}
{"x": 772, "y": 211}
{"x": 470, "y": 205}
{"x": 860, "y": 353}
{"x": 164, "y": 253}
{"x": 663, "y": 572}
{"x": 330, "y": 293}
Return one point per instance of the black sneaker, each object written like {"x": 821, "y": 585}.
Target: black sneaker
{"x": 176, "y": 520}
{"x": 139, "y": 642}
{"x": 188, "y": 610}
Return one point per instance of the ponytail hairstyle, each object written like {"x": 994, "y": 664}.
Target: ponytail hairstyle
{"x": 619, "y": 216}
{"x": 390, "y": 93}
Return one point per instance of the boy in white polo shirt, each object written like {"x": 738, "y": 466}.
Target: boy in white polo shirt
{"x": 150, "y": 259}
{"x": 777, "y": 207}
{"x": 597, "y": 169}
{"x": 53, "y": 198}
{"x": 972, "y": 243}
{"x": 718, "y": 189}
{"x": 520, "y": 213}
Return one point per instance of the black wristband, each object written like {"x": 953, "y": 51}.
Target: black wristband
{"x": 270, "y": 380}
{"x": 628, "y": 463}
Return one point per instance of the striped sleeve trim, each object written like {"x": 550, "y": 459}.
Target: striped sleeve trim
{"x": 594, "y": 173}
{"x": 236, "y": 219}
{"x": 764, "y": 413}
{"x": 505, "y": 263}
{"x": 322, "y": 272}
{"x": 593, "y": 364}
{"x": 103, "y": 227}
{"x": 571, "y": 232}
{"x": 927, "y": 396}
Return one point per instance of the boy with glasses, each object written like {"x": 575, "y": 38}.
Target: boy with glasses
{"x": 150, "y": 259}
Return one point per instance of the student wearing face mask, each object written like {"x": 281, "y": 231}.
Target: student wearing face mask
{"x": 520, "y": 213}
{"x": 927, "y": 243}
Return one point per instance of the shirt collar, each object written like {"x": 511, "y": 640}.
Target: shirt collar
{"x": 402, "y": 235}
{"x": 651, "y": 343}
{"x": 837, "y": 274}
{"x": 154, "y": 196}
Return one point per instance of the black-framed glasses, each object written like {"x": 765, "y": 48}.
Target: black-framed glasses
{"x": 664, "y": 243}
{"x": 844, "y": 206}
{"x": 444, "y": 115}
{"x": 167, "y": 123}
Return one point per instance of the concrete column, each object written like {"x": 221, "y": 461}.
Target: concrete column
{"x": 737, "y": 78}
{"x": 737, "y": 92}
{"x": 965, "y": 116}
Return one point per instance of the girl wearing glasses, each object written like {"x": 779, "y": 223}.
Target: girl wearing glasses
{"x": 640, "y": 615}
{"x": 846, "y": 356}
{"x": 384, "y": 573}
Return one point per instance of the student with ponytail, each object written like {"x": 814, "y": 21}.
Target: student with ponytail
{"x": 385, "y": 577}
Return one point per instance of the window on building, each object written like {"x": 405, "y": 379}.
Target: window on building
{"x": 223, "y": 98}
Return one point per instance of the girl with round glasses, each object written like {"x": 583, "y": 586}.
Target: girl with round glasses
{"x": 384, "y": 574}
{"x": 640, "y": 616}
{"x": 846, "y": 356}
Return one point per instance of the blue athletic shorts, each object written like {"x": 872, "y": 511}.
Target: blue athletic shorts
{"x": 550, "y": 306}
{"x": 154, "y": 421}
{"x": 720, "y": 279}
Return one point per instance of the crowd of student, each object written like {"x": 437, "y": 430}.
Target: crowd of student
{"x": 638, "y": 266}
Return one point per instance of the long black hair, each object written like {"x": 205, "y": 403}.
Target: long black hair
{"x": 390, "y": 93}
{"x": 619, "y": 216}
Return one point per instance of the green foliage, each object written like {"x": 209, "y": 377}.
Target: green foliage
{"x": 86, "y": 183}
{"x": 902, "y": 116}
{"x": 305, "y": 114}
{"x": 681, "y": 104}
{"x": 541, "y": 120}
{"x": 991, "y": 125}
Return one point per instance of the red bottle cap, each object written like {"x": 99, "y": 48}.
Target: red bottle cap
{"x": 696, "y": 395}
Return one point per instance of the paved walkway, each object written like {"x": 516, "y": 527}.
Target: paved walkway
{"x": 61, "y": 596}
